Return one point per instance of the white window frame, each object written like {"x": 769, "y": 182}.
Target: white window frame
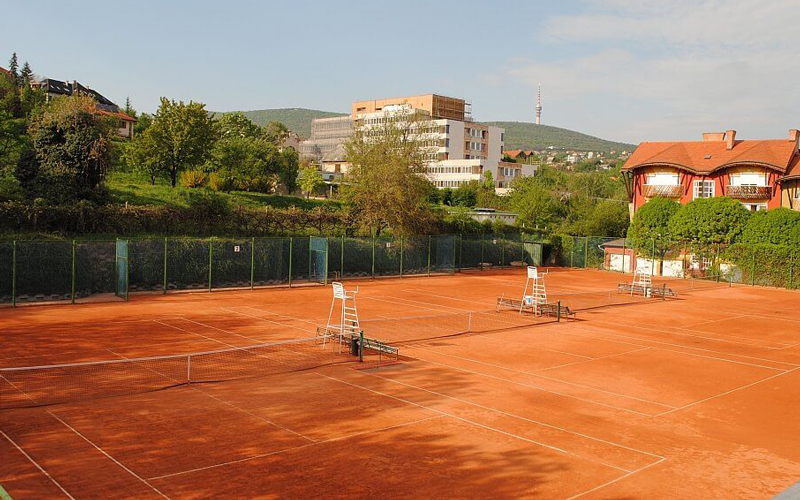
{"x": 700, "y": 186}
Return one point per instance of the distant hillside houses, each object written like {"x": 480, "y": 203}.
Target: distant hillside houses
{"x": 54, "y": 88}
{"x": 566, "y": 159}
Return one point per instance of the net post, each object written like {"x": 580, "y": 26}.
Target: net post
{"x": 291, "y": 251}
{"x": 361, "y": 346}
{"x": 210, "y": 262}
{"x": 663, "y": 291}
{"x": 401, "y": 255}
{"x": 429, "y": 255}
{"x": 558, "y": 312}
{"x": 373, "y": 255}
{"x": 165, "y": 264}
{"x": 14, "y": 273}
{"x": 73, "y": 271}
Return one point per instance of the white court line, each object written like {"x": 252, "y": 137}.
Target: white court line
{"x": 107, "y": 455}
{"x": 18, "y": 447}
{"x": 793, "y": 365}
{"x": 193, "y": 333}
{"x": 495, "y": 410}
{"x": 206, "y": 325}
{"x": 727, "y": 392}
{"x": 617, "y": 479}
{"x": 285, "y": 450}
{"x": 536, "y": 374}
{"x": 315, "y": 323}
{"x": 267, "y": 320}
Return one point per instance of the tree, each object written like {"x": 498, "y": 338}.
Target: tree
{"x": 276, "y": 132}
{"x": 652, "y": 224}
{"x": 387, "y": 185}
{"x": 709, "y": 221}
{"x": 180, "y": 137}
{"x": 537, "y": 206}
{"x": 70, "y": 151}
{"x": 237, "y": 125}
{"x": 310, "y": 180}
{"x": 128, "y": 109}
{"x": 466, "y": 195}
{"x": 26, "y": 75}
{"x": 606, "y": 218}
{"x": 779, "y": 226}
{"x": 143, "y": 123}
{"x": 13, "y": 68}
{"x": 142, "y": 155}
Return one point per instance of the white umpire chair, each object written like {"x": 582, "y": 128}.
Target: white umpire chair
{"x": 348, "y": 326}
{"x": 642, "y": 281}
{"x": 538, "y": 292}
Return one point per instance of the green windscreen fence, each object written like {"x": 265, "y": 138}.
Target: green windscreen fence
{"x": 95, "y": 268}
{"x": 231, "y": 261}
{"x": 387, "y": 256}
{"x": 122, "y": 269}
{"x": 359, "y": 257}
{"x": 271, "y": 261}
{"x": 415, "y": 254}
{"x": 318, "y": 260}
{"x": 188, "y": 264}
{"x": 443, "y": 253}
{"x": 44, "y": 270}
{"x": 7, "y": 257}
{"x": 146, "y": 264}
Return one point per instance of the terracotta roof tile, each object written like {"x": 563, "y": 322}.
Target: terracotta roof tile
{"x": 705, "y": 157}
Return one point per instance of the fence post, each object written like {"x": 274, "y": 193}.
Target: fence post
{"x": 291, "y": 251}
{"x": 586, "y": 253}
{"x": 624, "y": 254}
{"x": 571, "y": 252}
{"x": 653, "y": 259}
{"x": 73, "y": 271}
{"x": 401, "y": 255}
{"x": 481, "y": 262}
{"x": 373, "y": 256}
{"x": 791, "y": 269}
{"x": 429, "y": 255}
{"x": 210, "y": 251}
{"x": 503, "y": 251}
{"x": 341, "y": 270}
{"x": 14, "y": 273}
{"x": 252, "y": 261}
{"x": 460, "y": 250}
{"x": 717, "y": 265}
{"x": 165, "y": 264}
{"x": 753, "y": 270}
{"x": 522, "y": 247}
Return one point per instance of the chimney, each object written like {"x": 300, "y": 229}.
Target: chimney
{"x": 730, "y": 139}
{"x": 713, "y": 136}
{"x": 794, "y": 135}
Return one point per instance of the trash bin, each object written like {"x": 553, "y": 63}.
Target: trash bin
{"x": 354, "y": 346}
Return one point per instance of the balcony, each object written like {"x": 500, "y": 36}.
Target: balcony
{"x": 663, "y": 190}
{"x": 748, "y": 192}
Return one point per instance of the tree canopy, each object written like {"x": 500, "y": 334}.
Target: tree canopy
{"x": 707, "y": 221}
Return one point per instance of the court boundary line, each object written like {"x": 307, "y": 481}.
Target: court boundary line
{"x": 36, "y": 464}
{"x": 193, "y": 333}
{"x": 598, "y": 487}
{"x": 286, "y": 450}
{"x": 535, "y": 374}
{"x": 101, "y": 450}
{"x": 502, "y": 412}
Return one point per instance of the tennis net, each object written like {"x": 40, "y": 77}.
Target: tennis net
{"x": 51, "y": 384}
{"x": 409, "y": 329}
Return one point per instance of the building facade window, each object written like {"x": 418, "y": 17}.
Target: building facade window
{"x": 703, "y": 189}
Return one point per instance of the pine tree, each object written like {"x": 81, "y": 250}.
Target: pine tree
{"x": 127, "y": 105}
{"x": 13, "y": 66}
{"x": 26, "y": 74}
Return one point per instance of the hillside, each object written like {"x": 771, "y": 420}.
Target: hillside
{"x": 297, "y": 120}
{"x": 522, "y": 135}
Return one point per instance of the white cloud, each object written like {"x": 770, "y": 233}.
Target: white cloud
{"x": 678, "y": 65}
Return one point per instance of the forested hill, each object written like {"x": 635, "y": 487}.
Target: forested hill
{"x": 297, "y": 120}
{"x": 519, "y": 135}
{"x": 523, "y": 135}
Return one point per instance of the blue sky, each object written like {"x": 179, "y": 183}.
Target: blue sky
{"x": 619, "y": 69}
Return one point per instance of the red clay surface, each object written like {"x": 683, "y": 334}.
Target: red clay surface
{"x": 694, "y": 397}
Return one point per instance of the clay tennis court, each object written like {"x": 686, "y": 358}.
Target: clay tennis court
{"x": 695, "y": 396}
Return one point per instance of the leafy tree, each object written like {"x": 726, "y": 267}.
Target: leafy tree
{"x": 779, "y": 226}
{"x": 537, "y": 206}
{"x": 128, "y": 109}
{"x": 237, "y": 125}
{"x": 180, "y": 138}
{"x": 387, "y": 184}
{"x": 708, "y": 221}
{"x": 142, "y": 155}
{"x": 70, "y": 151}
{"x": 143, "y": 123}
{"x": 276, "y": 132}
{"x": 311, "y": 180}
{"x": 606, "y": 218}
{"x": 652, "y": 223}
{"x": 466, "y": 195}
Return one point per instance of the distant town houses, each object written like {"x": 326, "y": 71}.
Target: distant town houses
{"x": 761, "y": 173}
{"x": 462, "y": 150}
{"x": 54, "y": 88}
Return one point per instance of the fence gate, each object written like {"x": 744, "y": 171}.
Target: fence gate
{"x": 122, "y": 268}
{"x": 532, "y": 253}
{"x": 318, "y": 260}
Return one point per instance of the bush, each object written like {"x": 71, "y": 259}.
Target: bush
{"x": 707, "y": 221}
{"x": 194, "y": 179}
{"x": 219, "y": 182}
{"x": 780, "y": 226}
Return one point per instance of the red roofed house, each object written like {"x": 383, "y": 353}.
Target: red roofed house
{"x": 4, "y": 71}
{"x": 753, "y": 171}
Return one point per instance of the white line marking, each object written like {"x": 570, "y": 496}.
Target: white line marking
{"x": 194, "y": 333}
{"x": 18, "y": 447}
{"x": 615, "y": 480}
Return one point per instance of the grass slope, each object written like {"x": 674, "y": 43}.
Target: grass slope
{"x": 523, "y": 135}
{"x": 135, "y": 190}
{"x": 298, "y": 120}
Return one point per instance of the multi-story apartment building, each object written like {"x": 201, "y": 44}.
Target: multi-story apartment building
{"x": 460, "y": 150}
{"x": 326, "y": 135}
{"x": 761, "y": 173}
